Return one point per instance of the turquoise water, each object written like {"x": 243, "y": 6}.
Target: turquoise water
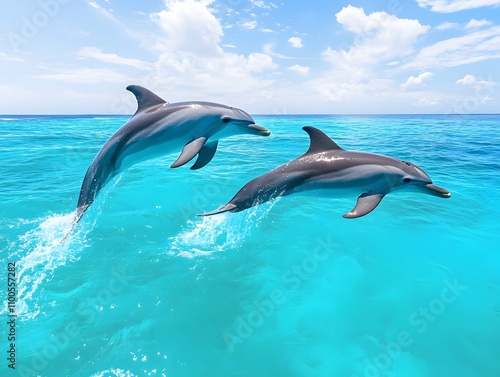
{"x": 143, "y": 287}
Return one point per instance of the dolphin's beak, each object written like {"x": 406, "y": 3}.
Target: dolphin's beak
{"x": 436, "y": 190}
{"x": 257, "y": 130}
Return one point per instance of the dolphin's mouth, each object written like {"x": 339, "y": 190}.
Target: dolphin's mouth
{"x": 257, "y": 130}
{"x": 436, "y": 190}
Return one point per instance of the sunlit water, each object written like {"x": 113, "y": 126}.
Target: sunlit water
{"x": 289, "y": 288}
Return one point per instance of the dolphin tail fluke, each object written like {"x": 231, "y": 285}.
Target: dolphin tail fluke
{"x": 225, "y": 208}
{"x": 79, "y": 213}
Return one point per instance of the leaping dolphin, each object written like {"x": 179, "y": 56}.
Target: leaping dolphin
{"x": 326, "y": 166}
{"x": 158, "y": 128}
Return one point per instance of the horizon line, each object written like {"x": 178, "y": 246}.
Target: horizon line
{"x": 257, "y": 114}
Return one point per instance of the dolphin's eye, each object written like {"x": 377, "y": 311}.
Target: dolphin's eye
{"x": 406, "y": 163}
{"x": 406, "y": 180}
{"x": 226, "y": 120}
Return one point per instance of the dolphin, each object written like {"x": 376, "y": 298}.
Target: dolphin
{"x": 159, "y": 128}
{"x": 326, "y": 166}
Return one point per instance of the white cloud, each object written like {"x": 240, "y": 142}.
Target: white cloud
{"x": 381, "y": 39}
{"x": 95, "y": 53}
{"x": 333, "y": 89}
{"x": 258, "y": 62}
{"x": 105, "y": 12}
{"x": 300, "y": 69}
{"x": 192, "y": 58}
{"x": 416, "y": 81}
{"x": 473, "y": 47}
{"x": 483, "y": 90}
{"x": 381, "y": 36}
{"x": 467, "y": 80}
{"x": 475, "y": 24}
{"x": 354, "y": 19}
{"x": 268, "y": 48}
{"x": 361, "y": 73}
{"x": 86, "y": 76}
{"x": 267, "y": 30}
{"x": 426, "y": 102}
{"x": 189, "y": 26}
{"x": 486, "y": 99}
{"x": 4, "y": 56}
{"x": 471, "y": 80}
{"x": 447, "y": 25}
{"x": 262, "y": 4}
{"x": 250, "y": 25}
{"x": 78, "y": 33}
{"x": 191, "y": 61}
{"x": 449, "y": 6}
{"x": 296, "y": 42}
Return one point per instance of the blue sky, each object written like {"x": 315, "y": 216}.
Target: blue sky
{"x": 272, "y": 57}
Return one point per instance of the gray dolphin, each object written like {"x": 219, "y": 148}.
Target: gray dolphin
{"x": 326, "y": 166}
{"x": 158, "y": 128}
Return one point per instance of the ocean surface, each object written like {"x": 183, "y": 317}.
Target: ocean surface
{"x": 143, "y": 287}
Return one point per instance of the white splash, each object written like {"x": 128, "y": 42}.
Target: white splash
{"x": 38, "y": 253}
{"x": 217, "y": 233}
{"x": 117, "y": 372}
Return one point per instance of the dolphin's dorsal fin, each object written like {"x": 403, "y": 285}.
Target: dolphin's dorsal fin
{"x": 320, "y": 142}
{"x": 145, "y": 98}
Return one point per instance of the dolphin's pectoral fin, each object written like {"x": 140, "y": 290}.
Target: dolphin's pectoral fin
{"x": 205, "y": 155}
{"x": 225, "y": 208}
{"x": 365, "y": 204}
{"x": 190, "y": 150}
